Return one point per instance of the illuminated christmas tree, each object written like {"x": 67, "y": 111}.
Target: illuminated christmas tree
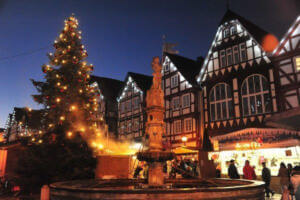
{"x": 68, "y": 99}
{"x": 60, "y": 151}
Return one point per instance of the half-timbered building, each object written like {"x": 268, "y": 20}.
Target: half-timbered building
{"x": 181, "y": 100}
{"x": 131, "y": 106}
{"x": 286, "y": 57}
{"x": 239, "y": 93}
{"x": 107, "y": 90}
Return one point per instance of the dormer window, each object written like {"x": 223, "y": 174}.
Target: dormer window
{"x": 226, "y": 33}
{"x": 233, "y": 30}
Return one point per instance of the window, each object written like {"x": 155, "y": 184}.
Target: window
{"x": 186, "y": 100}
{"x": 226, "y": 33}
{"x": 136, "y": 102}
{"x": 236, "y": 54}
{"x": 176, "y": 103}
{"x": 221, "y": 106}
{"x": 297, "y": 63}
{"x": 229, "y": 56}
{"x": 255, "y": 95}
{"x": 167, "y": 66}
{"x": 243, "y": 52}
{"x": 223, "y": 58}
{"x": 177, "y": 126}
{"x": 188, "y": 125}
{"x": 233, "y": 30}
{"x": 174, "y": 81}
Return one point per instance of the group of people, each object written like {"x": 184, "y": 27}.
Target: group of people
{"x": 184, "y": 167}
{"x": 289, "y": 178}
{"x": 187, "y": 168}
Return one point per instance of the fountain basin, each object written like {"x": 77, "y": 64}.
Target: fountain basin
{"x": 155, "y": 156}
{"x": 175, "y": 189}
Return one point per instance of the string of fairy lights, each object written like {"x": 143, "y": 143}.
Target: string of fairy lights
{"x": 65, "y": 73}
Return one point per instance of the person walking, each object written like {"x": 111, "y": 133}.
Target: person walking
{"x": 248, "y": 171}
{"x": 295, "y": 179}
{"x": 266, "y": 177}
{"x": 284, "y": 178}
{"x": 232, "y": 171}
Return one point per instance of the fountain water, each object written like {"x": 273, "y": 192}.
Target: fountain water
{"x": 156, "y": 188}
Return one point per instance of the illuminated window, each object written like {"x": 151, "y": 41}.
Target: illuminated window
{"x": 297, "y": 63}
{"x": 174, "y": 81}
{"x": 220, "y": 99}
{"x": 255, "y": 95}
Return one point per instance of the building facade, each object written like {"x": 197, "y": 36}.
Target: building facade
{"x": 181, "y": 100}
{"x": 240, "y": 92}
{"x": 107, "y": 90}
{"x": 131, "y": 106}
{"x": 286, "y": 58}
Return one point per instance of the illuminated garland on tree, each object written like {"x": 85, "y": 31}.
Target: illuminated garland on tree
{"x": 68, "y": 99}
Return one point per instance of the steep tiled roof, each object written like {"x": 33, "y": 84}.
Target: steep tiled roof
{"x": 187, "y": 67}
{"x": 257, "y": 32}
{"x": 144, "y": 82}
{"x": 109, "y": 87}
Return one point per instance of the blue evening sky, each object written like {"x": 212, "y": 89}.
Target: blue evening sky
{"x": 119, "y": 35}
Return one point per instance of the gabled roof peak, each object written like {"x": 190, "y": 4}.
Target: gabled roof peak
{"x": 257, "y": 32}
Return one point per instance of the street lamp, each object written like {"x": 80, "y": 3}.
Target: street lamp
{"x": 184, "y": 140}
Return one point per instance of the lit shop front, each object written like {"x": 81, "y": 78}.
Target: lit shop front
{"x": 257, "y": 145}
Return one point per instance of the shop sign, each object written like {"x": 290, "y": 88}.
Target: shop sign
{"x": 247, "y": 145}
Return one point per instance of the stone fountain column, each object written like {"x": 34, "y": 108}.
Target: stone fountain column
{"x": 155, "y": 156}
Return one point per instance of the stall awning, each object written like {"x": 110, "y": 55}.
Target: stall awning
{"x": 184, "y": 150}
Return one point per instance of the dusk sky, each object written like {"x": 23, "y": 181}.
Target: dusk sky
{"x": 119, "y": 35}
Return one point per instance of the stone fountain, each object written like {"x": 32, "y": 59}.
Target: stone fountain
{"x": 154, "y": 155}
{"x": 156, "y": 188}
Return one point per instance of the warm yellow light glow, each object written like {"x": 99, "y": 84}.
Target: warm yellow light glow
{"x": 72, "y": 108}
{"x": 79, "y": 72}
{"x": 69, "y": 47}
{"x": 57, "y": 100}
{"x": 184, "y": 139}
{"x": 94, "y": 144}
{"x": 40, "y": 132}
{"x": 58, "y": 83}
{"x": 65, "y": 87}
{"x": 56, "y": 60}
{"x": 40, "y": 141}
{"x": 100, "y": 146}
{"x": 82, "y": 129}
{"x": 64, "y": 61}
{"x": 50, "y": 125}
{"x": 62, "y": 118}
{"x": 298, "y": 63}
{"x": 33, "y": 139}
{"x": 57, "y": 76}
{"x": 29, "y": 109}
{"x": 70, "y": 134}
{"x": 80, "y": 91}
